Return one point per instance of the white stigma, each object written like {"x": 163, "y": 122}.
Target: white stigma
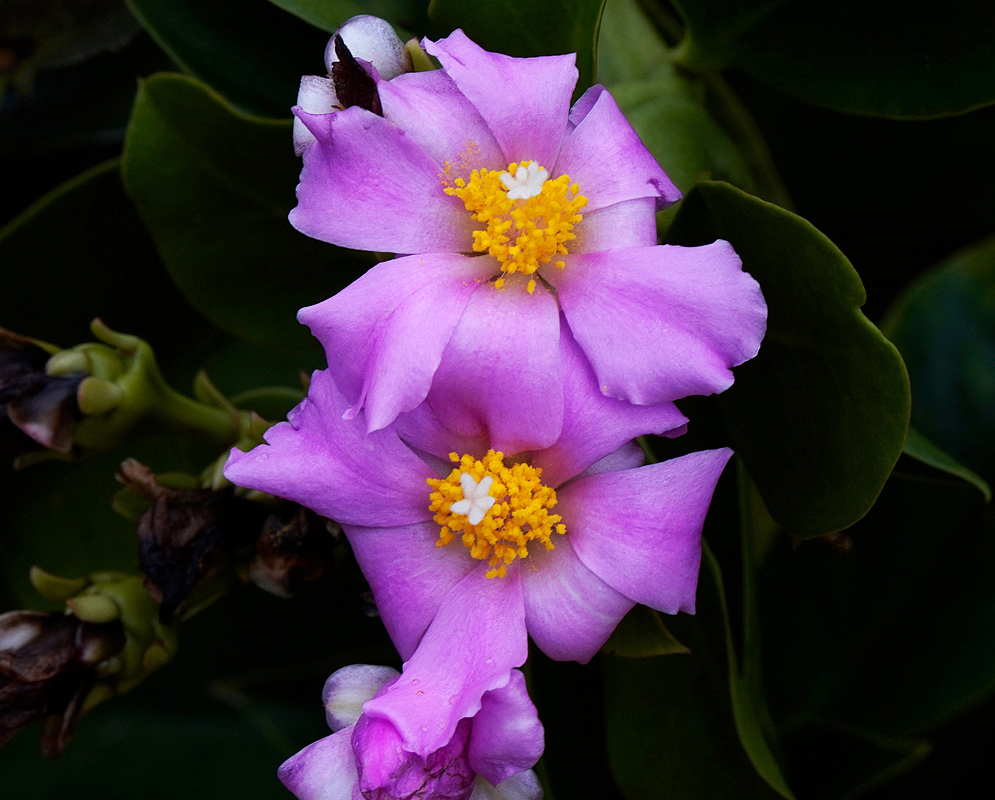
{"x": 526, "y": 182}
{"x": 475, "y": 500}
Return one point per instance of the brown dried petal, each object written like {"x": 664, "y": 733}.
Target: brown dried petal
{"x": 353, "y": 85}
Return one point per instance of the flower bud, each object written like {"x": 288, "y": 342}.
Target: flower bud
{"x": 364, "y": 49}
{"x": 48, "y": 665}
{"x": 42, "y": 406}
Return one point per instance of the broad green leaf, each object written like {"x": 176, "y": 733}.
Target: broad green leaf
{"x": 681, "y": 727}
{"x": 253, "y": 53}
{"x": 330, "y": 14}
{"x": 861, "y": 760}
{"x": 924, "y": 451}
{"x": 895, "y": 636}
{"x": 695, "y": 127}
{"x": 878, "y": 58}
{"x": 82, "y": 252}
{"x": 642, "y": 633}
{"x": 820, "y": 415}
{"x": 214, "y": 187}
{"x": 528, "y": 28}
{"x": 944, "y": 326}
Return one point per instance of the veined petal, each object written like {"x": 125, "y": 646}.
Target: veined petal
{"x": 640, "y": 530}
{"x": 348, "y": 688}
{"x": 433, "y": 111}
{"x": 409, "y": 576}
{"x": 333, "y": 467}
{"x": 606, "y": 157}
{"x": 384, "y": 334}
{"x": 324, "y": 770}
{"x": 525, "y": 101}
{"x": 503, "y": 355}
{"x": 594, "y": 425}
{"x": 368, "y": 185}
{"x": 661, "y": 323}
{"x": 507, "y": 736}
{"x": 631, "y": 223}
{"x": 569, "y": 611}
{"x": 422, "y": 430}
{"x": 476, "y": 639}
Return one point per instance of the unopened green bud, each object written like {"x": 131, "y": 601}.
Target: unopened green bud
{"x": 98, "y": 396}
{"x": 54, "y": 588}
{"x": 93, "y": 608}
{"x": 68, "y": 362}
{"x": 124, "y": 342}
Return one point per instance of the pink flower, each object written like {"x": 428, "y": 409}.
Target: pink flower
{"x": 487, "y": 758}
{"x": 522, "y": 220}
{"x": 577, "y": 534}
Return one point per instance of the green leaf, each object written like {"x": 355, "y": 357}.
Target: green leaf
{"x": 330, "y": 14}
{"x": 696, "y": 128}
{"x": 920, "y": 448}
{"x": 895, "y": 636}
{"x": 862, "y": 760}
{"x": 944, "y": 326}
{"x": 253, "y": 53}
{"x": 642, "y": 633}
{"x": 214, "y": 187}
{"x": 878, "y": 58}
{"x": 682, "y": 727}
{"x": 820, "y": 416}
{"x": 528, "y": 28}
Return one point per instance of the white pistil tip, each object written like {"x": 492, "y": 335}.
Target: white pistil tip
{"x": 526, "y": 182}
{"x": 475, "y": 500}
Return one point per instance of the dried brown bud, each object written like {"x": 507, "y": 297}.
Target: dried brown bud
{"x": 185, "y": 533}
{"x": 42, "y": 406}
{"x": 291, "y": 551}
{"x": 47, "y": 668}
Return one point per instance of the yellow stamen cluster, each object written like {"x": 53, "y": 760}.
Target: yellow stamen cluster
{"x": 521, "y": 234}
{"x": 520, "y": 514}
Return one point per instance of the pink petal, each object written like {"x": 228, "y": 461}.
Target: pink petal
{"x": 409, "y": 576}
{"x": 429, "y": 107}
{"x": 525, "y": 101}
{"x": 507, "y": 736}
{"x": 333, "y": 467}
{"x": 661, "y": 323}
{"x": 384, "y": 334}
{"x": 422, "y": 430}
{"x": 500, "y": 374}
{"x": 631, "y": 223}
{"x": 569, "y": 611}
{"x": 640, "y": 530}
{"x": 606, "y": 157}
{"x": 324, "y": 770}
{"x": 477, "y": 637}
{"x": 368, "y": 185}
{"x": 595, "y": 425}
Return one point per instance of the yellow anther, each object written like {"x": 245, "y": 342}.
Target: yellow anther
{"x": 520, "y": 513}
{"x": 522, "y": 235}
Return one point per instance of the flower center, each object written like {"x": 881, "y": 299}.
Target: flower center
{"x": 497, "y": 509}
{"x": 529, "y": 217}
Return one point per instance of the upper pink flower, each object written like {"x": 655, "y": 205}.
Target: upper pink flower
{"x": 517, "y": 215}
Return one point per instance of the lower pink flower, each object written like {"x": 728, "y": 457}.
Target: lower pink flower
{"x": 469, "y": 552}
